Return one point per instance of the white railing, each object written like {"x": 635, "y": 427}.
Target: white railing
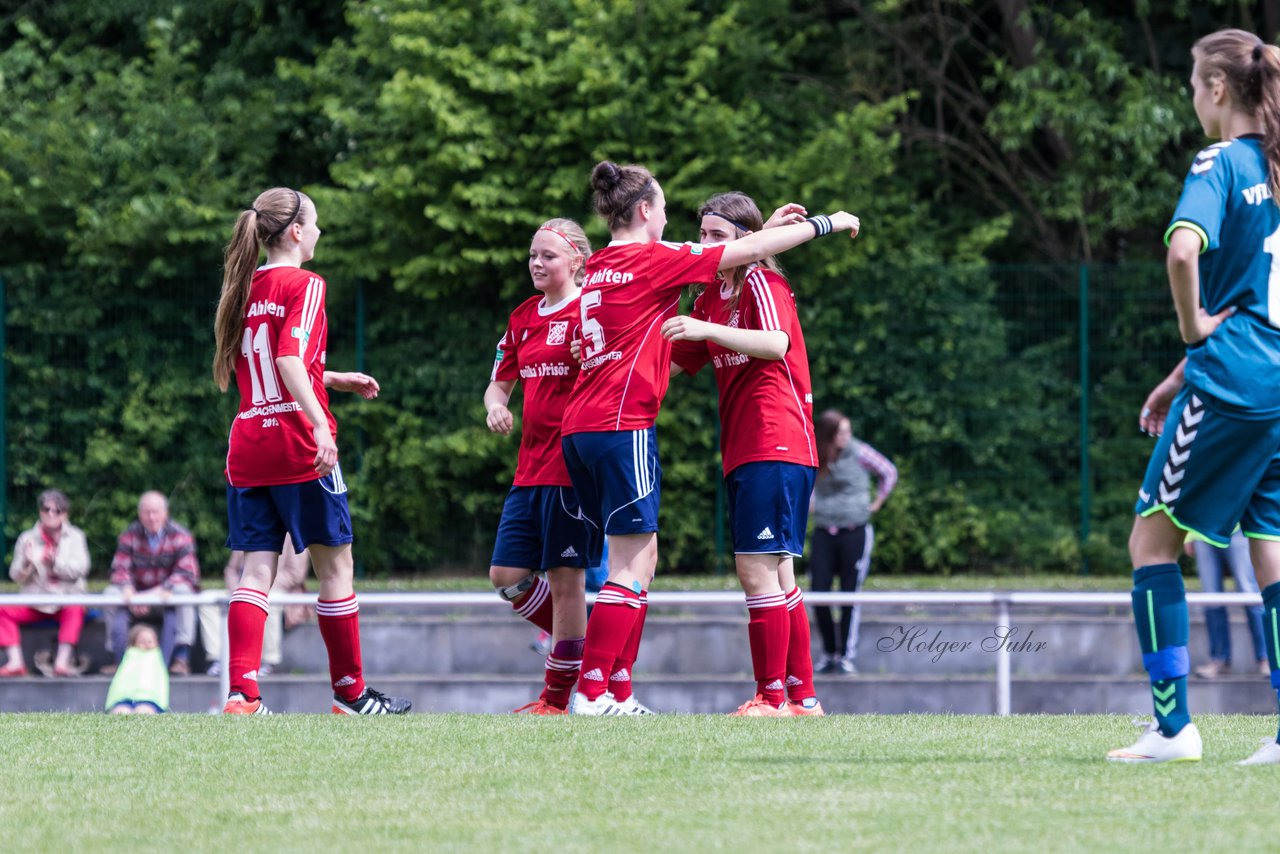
{"x": 1001, "y": 600}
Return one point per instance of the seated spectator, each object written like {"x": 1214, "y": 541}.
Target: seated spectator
{"x": 52, "y": 557}
{"x": 141, "y": 684}
{"x": 156, "y": 555}
{"x": 291, "y": 577}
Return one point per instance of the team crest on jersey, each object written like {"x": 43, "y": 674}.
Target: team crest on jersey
{"x": 556, "y": 331}
{"x": 733, "y": 320}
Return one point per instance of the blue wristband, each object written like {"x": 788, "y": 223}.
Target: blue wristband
{"x": 821, "y": 224}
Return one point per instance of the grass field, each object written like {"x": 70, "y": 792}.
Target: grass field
{"x": 481, "y": 783}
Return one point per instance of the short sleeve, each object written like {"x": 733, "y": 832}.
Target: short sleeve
{"x": 1203, "y": 204}
{"x": 304, "y": 313}
{"x": 691, "y": 356}
{"x": 674, "y": 265}
{"x": 772, "y": 307}
{"x": 505, "y": 365}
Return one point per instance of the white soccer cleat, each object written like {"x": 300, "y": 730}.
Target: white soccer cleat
{"x": 1154, "y": 747}
{"x": 631, "y": 706}
{"x": 1268, "y": 754}
{"x": 602, "y": 706}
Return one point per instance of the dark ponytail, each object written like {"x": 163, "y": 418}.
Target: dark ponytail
{"x": 618, "y": 189}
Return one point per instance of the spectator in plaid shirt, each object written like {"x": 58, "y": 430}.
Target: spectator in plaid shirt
{"x": 156, "y": 553}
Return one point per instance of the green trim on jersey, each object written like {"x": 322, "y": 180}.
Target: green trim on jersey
{"x": 1192, "y": 533}
{"x": 1186, "y": 223}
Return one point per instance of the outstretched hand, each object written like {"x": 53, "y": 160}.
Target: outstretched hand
{"x": 788, "y": 214}
{"x": 354, "y": 381}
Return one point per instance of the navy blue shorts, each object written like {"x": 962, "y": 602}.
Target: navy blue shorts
{"x": 1211, "y": 472}
{"x": 541, "y": 528}
{"x": 617, "y": 478}
{"x": 313, "y": 513}
{"x": 769, "y": 507}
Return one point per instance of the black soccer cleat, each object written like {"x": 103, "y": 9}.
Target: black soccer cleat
{"x": 371, "y": 702}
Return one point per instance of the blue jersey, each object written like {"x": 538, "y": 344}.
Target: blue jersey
{"x": 1227, "y": 201}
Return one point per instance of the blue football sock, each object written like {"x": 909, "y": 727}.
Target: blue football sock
{"x": 1271, "y": 633}
{"x": 1160, "y": 615}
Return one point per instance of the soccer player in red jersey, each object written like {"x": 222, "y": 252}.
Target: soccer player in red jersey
{"x": 283, "y": 477}
{"x": 632, "y": 286}
{"x": 746, "y": 325}
{"x": 542, "y": 528}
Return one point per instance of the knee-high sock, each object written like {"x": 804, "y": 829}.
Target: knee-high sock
{"x": 767, "y": 630}
{"x": 799, "y": 649}
{"x": 563, "y": 664}
{"x": 535, "y": 604}
{"x": 339, "y": 621}
{"x": 620, "y": 678}
{"x": 246, "y": 617}
{"x": 1160, "y": 615}
{"x": 608, "y": 628}
{"x": 1271, "y": 632}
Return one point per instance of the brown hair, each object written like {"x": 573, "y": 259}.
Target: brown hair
{"x": 258, "y": 228}
{"x": 1250, "y": 69}
{"x": 825, "y": 432}
{"x": 571, "y": 231}
{"x": 618, "y": 189}
{"x": 744, "y": 215}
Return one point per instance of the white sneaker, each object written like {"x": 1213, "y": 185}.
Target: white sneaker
{"x": 1154, "y": 747}
{"x": 602, "y": 706}
{"x": 1268, "y": 754}
{"x": 631, "y": 706}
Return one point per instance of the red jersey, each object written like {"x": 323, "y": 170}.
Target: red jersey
{"x": 271, "y": 441}
{"x": 535, "y": 351}
{"x": 629, "y": 290}
{"x": 766, "y": 406}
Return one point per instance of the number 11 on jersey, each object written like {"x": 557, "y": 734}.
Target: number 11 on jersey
{"x": 262, "y": 376}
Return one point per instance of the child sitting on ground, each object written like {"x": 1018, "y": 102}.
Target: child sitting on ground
{"x": 141, "y": 684}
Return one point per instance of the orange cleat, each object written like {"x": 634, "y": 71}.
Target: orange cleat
{"x": 539, "y": 707}
{"x": 758, "y": 708}
{"x": 800, "y": 710}
{"x": 240, "y": 706}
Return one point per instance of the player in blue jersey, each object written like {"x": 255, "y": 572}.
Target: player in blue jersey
{"x": 1216, "y": 465}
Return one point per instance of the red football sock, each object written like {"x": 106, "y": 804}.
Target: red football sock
{"x": 611, "y": 622}
{"x": 535, "y": 604}
{"x": 620, "y": 678}
{"x": 339, "y": 621}
{"x": 767, "y": 630}
{"x": 246, "y": 618}
{"x": 563, "y": 665}
{"x": 799, "y": 650}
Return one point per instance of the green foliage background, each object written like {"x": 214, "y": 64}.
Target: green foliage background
{"x": 990, "y": 149}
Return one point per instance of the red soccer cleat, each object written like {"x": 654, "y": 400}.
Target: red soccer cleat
{"x": 538, "y": 707}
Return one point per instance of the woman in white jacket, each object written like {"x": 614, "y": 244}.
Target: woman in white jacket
{"x": 50, "y": 557}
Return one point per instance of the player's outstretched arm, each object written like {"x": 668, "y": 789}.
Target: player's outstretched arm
{"x": 762, "y": 344}
{"x": 496, "y": 398}
{"x": 775, "y": 241}
{"x": 353, "y": 381}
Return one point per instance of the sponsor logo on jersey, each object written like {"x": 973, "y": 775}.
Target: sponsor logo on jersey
{"x": 597, "y": 361}
{"x": 695, "y": 248}
{"x": 556, "y": 331}
{"x": 1257, "y": 194}
{"x": 271, "y": 409}
{"x": 730, "y": 360}
{"x": 544, "y": 369}
{"x": 265, "y": 306}
{"x": 300, "y": 333}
